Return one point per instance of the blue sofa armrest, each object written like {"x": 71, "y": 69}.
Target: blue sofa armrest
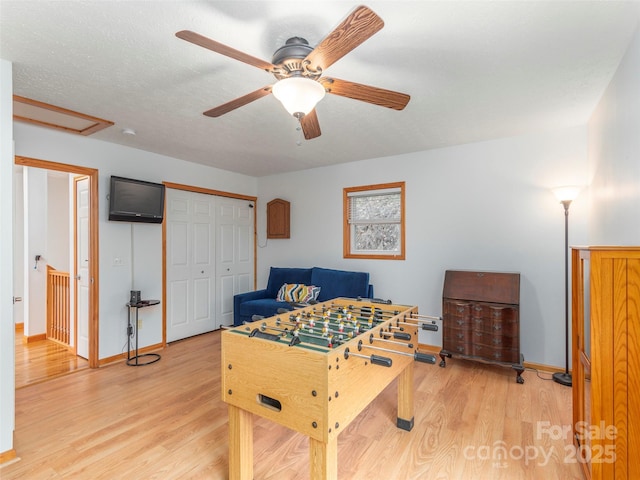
{"x": 245, "y": 297}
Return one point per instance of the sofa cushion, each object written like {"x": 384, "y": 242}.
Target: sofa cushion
{"x": 340, "y": 283}
{"x": 266, "y": 307}
{"x": 279, "y": 276}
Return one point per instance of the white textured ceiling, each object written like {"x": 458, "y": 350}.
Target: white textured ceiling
{"x": 475, "y": 71}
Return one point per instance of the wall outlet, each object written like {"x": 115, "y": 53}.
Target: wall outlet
{"x": 118, "y": 262}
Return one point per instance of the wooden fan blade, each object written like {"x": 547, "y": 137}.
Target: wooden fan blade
{"x": 218, "y": 47}
{"x": 238, "y": 102}
{"x": 310, "y": 125}
{"x": 365, "y": 93}
{"x": 361, "y": 24}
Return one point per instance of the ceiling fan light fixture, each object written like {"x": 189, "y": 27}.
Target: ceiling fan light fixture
{"x": 298, "y": 95}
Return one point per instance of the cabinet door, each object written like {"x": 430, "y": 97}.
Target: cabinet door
{"x": 278, "y": 219}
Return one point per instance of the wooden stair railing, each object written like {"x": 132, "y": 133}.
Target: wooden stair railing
{"x": 58, "y": 308}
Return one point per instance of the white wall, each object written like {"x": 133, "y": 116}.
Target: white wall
{"x": 482, "y": 206}
{"x": 7, "y": 328}
{"x": 35, "y": 243}
{"x": 139, "y": 246}
{"x": 18, "y": 243}
{"x": 58, "y": 219}
{"x": 614, "y": 156}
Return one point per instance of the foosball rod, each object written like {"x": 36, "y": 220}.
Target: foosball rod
{"x": 375, "y": 311}
{"x": 417, "y": 356}
{"x": 393, "y": 342}
{"x": 412, "y": 315}
{"x": 297, "y": 331}
{"x": 374, "y": 359}
{"x": 430, "y": 317}
{"x": 371, "y": 318}
{"x": 364, "y": 311}
{"x": 322, "y": 318}
{"x": 318, "y": 326}
{"x": 431, "y": 326}
{"x": 264, "y": 326}
{"x": 383, "y": 317}
{"x": 320, "y": 322}
{"x": 361, "y": 321}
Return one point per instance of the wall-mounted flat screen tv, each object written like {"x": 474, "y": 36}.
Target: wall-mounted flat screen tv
{"x": 136, "y": 201}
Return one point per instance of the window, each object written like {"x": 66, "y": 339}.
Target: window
{"x": 373, "y": 221}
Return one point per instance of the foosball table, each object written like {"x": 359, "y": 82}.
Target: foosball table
{"x": 314, "y": 369}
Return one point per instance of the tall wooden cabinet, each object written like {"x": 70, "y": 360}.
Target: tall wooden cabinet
{"x": 606, "y": 360}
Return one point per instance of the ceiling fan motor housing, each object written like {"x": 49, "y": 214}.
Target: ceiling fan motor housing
{"x": 289, "y": 58}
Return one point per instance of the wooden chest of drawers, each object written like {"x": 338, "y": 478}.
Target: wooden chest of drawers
{"x": 480, "y": 317}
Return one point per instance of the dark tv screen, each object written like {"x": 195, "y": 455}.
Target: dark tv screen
{"x": 135, "y": 201}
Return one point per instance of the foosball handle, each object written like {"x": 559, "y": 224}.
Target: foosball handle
{"x": 402, "y": 336}
{"x": 424, "y": 358}
{"x": 267, "y": 336}
{"x": 379, "y": 360}
{"x": 432, "y": 327}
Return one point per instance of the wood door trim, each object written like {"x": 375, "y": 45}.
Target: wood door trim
{"x": 94, "y": 266}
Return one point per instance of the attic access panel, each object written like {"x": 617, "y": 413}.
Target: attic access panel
{"x": 50, "y": 116}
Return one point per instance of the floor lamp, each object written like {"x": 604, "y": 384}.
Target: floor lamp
{"x": 565, "y": 196}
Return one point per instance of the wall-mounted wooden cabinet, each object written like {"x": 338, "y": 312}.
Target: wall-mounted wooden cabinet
{"x": 606, "y": 360}
{"x": 278, "y": 218}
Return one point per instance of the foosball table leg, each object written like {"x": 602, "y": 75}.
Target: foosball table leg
{"x": 240, "y": 444}
{"x": 405, "y": 398}
{"x": 323, "y": 459}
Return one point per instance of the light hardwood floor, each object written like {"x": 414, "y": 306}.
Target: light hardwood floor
{"x": 42, "y": 360}
{"x": 167, "y": 421}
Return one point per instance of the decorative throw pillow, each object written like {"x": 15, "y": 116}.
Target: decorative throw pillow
{"x": 297, "y": 292}
{"x": 288, "y": 292}
{"x": 308, "y": 293}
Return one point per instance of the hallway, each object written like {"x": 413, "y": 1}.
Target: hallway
{"x": 42, "y": 360}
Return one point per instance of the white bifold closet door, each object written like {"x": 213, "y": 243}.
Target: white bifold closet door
{"x": 234, "y": 253}
{"x": 209, "y": 259}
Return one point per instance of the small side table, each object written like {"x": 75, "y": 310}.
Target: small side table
{"x": 149, "y": 358}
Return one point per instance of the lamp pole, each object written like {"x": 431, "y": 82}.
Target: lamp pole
{"x": 564, "y": 378}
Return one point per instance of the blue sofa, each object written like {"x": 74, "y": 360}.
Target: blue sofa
{"x": 332, "y": 283}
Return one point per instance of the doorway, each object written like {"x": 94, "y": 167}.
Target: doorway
{"x": 91, "y": 250}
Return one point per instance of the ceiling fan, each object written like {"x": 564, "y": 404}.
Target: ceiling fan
{"x": 298, "y": 69}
